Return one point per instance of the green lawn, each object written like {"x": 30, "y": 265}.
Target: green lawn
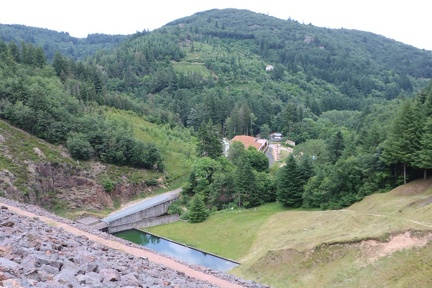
{"x": 277, "y": 246}
{"x": 228, "y": 233}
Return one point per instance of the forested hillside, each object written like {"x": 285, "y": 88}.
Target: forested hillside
{"x": 52, "y": 41}
{"x": 212, "y": 65}
{"x": 333, "y": 91}
{"x": 222, "y": 73}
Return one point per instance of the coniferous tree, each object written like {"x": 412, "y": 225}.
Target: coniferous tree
{"x": 265, "y": 131}
{"x": 14, "y": 50}
{"x": 289, "y": 184}
{"x": 247, "y": 195}
{"x": 305, "y": 169}
{"x": 236, "y": 152}
{"x": 210, "y": 143}
{"x": 336, "y": 146}
{"x": 403, "y": 139}
{"x": 39, "y": 57}
{"x": 197, "y": 210}
{"x": 423, "y": 157}
{"x": 60, "y": 65}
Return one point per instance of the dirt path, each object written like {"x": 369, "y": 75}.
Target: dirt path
{"x": 169, "y": 263}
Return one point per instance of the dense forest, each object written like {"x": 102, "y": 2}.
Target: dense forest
{"x": 62, "y": 42}
{"x": 357, "y": 104}
{"x": 60, "y": 107}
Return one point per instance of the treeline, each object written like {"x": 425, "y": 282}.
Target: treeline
{"x": 59, "y": 104}
{"x": 408, "y": 144}
{"x": 52, "y": 41}
{"x": 352, "y": 155}
{"x": 141, "y": 65}
{"x": 381, "y": 150}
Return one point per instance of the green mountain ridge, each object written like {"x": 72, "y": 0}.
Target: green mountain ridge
{"x": 53, "y": 41}
{"x": 211, "y": 68}
{"x": 236, "y": 45}
{"x": 144, "y": 110}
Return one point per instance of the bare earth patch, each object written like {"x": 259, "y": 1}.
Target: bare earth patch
{"x": 373, "y": 250}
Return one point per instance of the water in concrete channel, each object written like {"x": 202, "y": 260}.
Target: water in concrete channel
{"x": 177, "y": 250}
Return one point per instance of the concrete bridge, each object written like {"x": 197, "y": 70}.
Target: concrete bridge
{"x": 146, "y": 213}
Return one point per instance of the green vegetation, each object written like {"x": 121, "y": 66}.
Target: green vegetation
{"x": 34, "y": 99}
{"x": 310, "y": 248}
{"x": 206, "y": 76}
{"x": 18, "y": 148}
{"x": 176, "y": 145}
{"x": 229, "y": 233}
{"x": 153, "y": 107}
{"x": 197, "y": 210}
{"x": 52, "y": 41}
{"x": 290, "y": 181}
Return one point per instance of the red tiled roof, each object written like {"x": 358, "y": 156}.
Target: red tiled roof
{"x": 247, "y": 141}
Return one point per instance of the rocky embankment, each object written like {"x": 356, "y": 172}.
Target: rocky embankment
{"x": 35, "y": 254}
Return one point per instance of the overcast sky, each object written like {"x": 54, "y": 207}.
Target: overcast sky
{"x": 405, "y": 21}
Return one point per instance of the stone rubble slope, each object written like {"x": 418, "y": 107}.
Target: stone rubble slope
{"x": 34, "y": 254}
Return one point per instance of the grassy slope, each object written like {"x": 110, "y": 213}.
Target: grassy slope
{"x": 221, "y": 233}
{"x": 18, "y": 149}
{"x": 176, "y": 145}
{"x": 320, "y": 248}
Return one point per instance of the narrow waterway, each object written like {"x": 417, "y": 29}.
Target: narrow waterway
{"x": 176, "y": 250}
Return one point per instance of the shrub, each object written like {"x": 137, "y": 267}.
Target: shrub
{"x": 79, "y": 146}
{"x": 108, "y": 184}
{"x": 175, "y": 208}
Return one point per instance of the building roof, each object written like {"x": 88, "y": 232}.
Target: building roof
{"x": 248, "y": 141}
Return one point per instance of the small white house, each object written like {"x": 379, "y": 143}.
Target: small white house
{"x": 269, "y": 67}
{"x": 276, "y": 136}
